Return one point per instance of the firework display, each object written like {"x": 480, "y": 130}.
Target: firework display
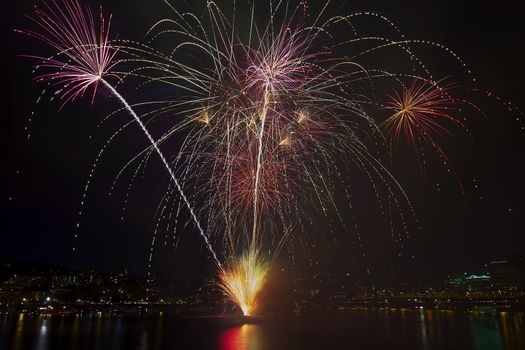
{"x": 269, "y": 115}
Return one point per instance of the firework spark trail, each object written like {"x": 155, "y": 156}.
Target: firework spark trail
{"x": 89, "y": 60}
{"x": 168, "y": 167}
{"x": 258, "y": 169}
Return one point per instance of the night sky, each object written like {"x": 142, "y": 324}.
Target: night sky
{"x": 43, "y": 177}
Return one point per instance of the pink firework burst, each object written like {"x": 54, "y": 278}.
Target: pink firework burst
{"x": 282, "y": 64}
{"x": 84, "y": 55}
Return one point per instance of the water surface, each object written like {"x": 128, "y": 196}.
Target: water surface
{"x": 375, "y": 329}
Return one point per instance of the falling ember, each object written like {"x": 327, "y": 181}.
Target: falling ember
{"x": 243, "y": 280}
{"x": 286, "y": 141}
{"x": 303, "y": 117}
{"x": 204, "y": 118}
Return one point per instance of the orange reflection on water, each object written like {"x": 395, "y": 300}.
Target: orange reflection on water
{"x": 245, "y": 337}
{"x": 19, "y": 333}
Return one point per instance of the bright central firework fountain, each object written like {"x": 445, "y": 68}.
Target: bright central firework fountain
{"x": 243, "y": 280}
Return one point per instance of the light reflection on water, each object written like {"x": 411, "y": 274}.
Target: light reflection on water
{"x": 245, "y": 337}
{"x": 373, "y": 329}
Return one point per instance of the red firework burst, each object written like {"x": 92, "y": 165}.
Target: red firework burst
{"x": 423, "y": 113}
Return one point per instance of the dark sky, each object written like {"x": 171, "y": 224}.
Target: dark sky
{"x": 43, "y": 178}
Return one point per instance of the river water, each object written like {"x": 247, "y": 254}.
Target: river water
{"x": 372, "y": 329}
